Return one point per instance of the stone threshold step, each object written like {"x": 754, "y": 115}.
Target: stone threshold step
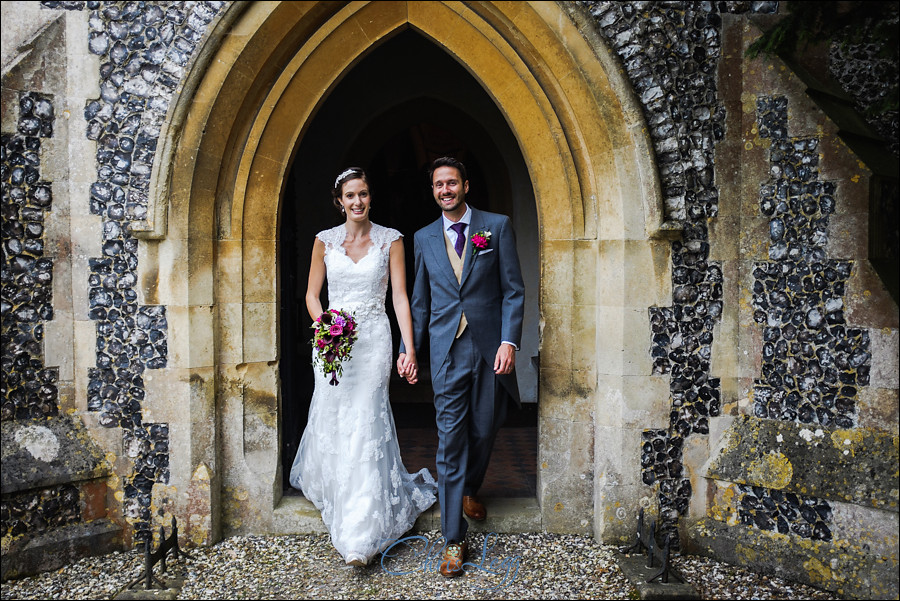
{"x": 297, "y": 515}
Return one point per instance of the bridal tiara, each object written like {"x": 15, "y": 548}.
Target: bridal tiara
{"x": 345, "y": 173}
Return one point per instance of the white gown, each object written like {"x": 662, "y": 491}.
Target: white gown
{"x": 348, "y": 463}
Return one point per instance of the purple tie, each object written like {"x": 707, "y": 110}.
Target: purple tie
{"x": 459, "y": 228}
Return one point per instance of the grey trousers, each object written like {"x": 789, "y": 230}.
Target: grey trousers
{"x": 471, "y": 405}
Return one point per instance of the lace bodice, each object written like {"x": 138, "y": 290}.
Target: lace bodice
{"x": 360, "y": 286}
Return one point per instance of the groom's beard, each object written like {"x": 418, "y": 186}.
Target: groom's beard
{"x": 456, "y": 202}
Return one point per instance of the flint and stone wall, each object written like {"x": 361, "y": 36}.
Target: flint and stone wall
{"x": 816, "y": 377}
{"x": 54, "y": 477}
{"x": 779, "y": 346}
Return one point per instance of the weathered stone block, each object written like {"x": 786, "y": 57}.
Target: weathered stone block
{"x": 43, "y": 453}
{"x": 566, "y": 475}
{"x": 855, "y": 466}
{"x": 60, "y": 547}
{"x": 844, "y": 571}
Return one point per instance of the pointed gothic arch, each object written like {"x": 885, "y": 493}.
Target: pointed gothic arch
{"x": 599, "y": 210}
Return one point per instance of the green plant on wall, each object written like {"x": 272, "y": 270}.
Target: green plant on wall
{"x": 847, "y": 23}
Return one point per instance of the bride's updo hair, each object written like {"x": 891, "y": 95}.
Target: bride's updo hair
{"x": 345, "y": 176}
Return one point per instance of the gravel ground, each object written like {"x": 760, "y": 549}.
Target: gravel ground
{"x": 523, "y": 566}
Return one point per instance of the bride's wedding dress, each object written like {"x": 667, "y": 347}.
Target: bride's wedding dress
{"x": 348, "y": 463}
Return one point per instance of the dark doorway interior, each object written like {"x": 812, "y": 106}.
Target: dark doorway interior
{"x": 403, "y": 105}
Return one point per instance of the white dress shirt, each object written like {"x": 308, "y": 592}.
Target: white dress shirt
{"x": 451, "y": 233}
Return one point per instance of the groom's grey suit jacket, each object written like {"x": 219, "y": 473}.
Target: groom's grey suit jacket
{"x": 490, "y": 292}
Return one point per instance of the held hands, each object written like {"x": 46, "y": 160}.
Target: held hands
{"x": 505, "y": 361}
{"x": 408, "y": 367}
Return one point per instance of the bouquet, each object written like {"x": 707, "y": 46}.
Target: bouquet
{"x": 335, "y": 333}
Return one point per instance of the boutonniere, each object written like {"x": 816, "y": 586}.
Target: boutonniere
{"x": 480, "y": 241}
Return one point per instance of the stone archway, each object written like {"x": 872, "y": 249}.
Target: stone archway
{"x": 591, "y": 167}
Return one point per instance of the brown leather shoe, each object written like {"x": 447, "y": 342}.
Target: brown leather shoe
{"x": 452, "y": 560}
{"x": 473, "y": 508}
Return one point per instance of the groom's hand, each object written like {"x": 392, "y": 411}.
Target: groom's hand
{"x": 505, "y": 361}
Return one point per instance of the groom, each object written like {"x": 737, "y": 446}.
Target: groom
{"x": 468, "y": 293}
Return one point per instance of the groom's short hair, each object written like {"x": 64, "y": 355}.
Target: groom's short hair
{"x": 447, "y": 162}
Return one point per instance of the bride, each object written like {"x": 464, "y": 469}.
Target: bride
{"x": 348, "y": 463}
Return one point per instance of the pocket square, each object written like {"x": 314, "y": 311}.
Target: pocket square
{"x": 485, "y": 251}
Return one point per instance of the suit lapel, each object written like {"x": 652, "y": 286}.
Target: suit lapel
{"x": 438, "y": 247}
{"x": 476, "y": 225}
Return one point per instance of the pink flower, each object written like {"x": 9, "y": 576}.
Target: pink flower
{"x": 480, "y": 241}
{"x": 320, "y": 343}
{"x": 336, "y": 330}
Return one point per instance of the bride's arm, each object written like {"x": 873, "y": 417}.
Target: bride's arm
{"x": 407, "y": 364}
{"x": 316, "y": 280}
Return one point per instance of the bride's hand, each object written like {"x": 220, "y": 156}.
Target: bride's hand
{"x": 403, "y": 365}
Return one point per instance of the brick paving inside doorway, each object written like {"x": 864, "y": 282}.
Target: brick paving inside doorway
{"x": 511, "y": 473}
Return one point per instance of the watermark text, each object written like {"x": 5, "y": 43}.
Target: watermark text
{"x": 427, "y": 555}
